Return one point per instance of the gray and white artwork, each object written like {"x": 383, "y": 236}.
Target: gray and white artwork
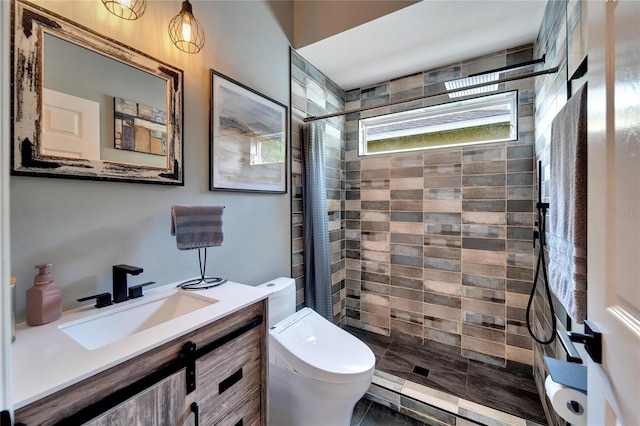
{"x": 249, "y": 140}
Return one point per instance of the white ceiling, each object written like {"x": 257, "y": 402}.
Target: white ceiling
{"x": 426, "y": 35}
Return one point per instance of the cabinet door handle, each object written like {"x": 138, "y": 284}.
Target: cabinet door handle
{"x": 196, "y": 413}
{"x": 229, "y": 381}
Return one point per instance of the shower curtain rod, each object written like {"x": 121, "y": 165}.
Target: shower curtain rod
{"x": 430, "y": 95}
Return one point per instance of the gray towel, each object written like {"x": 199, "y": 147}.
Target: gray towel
{"x": 568, "y": 206}
{"x": 197, "y": 226}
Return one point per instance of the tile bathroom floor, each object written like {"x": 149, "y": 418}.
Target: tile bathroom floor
{"x": 368, "y": 413}
{"x": 480, "y": 383}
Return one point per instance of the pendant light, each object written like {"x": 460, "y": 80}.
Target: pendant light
{"x": 185, "y": 31}
{"x": 126, "y": 9}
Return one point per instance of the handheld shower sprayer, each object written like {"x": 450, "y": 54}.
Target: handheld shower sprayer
{"x": 540, "y": 234}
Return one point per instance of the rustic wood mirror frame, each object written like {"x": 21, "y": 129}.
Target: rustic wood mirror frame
{"x": 29, "y": 24}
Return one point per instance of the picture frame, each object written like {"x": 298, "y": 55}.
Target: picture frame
{"x": 248, "y": 139}
{"x": 54, "y": 96}
{"x": 139, "y": 127}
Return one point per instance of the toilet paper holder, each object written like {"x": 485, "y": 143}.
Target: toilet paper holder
{"x": 566, "y": 390}
{"x": 591, "y": 338}
{"x": 567, "y": 373}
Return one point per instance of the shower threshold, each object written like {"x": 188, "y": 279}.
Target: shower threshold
{"x": 433, "y": 406}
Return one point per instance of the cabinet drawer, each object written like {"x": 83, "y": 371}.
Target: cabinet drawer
{"x": 246, "y": 414}
{"x": 227, "y": 375}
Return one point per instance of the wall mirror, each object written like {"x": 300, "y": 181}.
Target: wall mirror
{"x": 88, "y": 107}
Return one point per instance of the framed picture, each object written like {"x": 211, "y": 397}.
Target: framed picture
{"x": 139, "y": 127}
{"x": 248, "y": 146}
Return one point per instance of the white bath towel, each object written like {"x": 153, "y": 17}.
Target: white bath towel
{"x": 568, "y": 206}
{"x": 197, "y": 226}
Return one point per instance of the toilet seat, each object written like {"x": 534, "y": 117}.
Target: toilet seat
{"x": 316, "y": 348}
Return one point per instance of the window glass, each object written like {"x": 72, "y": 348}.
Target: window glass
{"x": 491, "y": 118}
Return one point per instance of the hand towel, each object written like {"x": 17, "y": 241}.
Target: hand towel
{"x": 568, "y": 206}
{"x": 197, "y": 226}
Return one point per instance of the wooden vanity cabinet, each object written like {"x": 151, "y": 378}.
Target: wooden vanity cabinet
{"x": 162, "y": 404}
{"x": 222, "y": 381}
{"x": 227, "y": 377}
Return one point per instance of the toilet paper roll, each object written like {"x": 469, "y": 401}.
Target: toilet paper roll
{"x": 569, "y": 403}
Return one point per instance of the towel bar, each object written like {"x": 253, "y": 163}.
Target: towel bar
{"x": 591, "y": 338}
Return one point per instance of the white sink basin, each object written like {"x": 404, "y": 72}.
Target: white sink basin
{"x": 101, "y": 329}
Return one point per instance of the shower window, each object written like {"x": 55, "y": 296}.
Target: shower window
{"x": 484, "y": 119}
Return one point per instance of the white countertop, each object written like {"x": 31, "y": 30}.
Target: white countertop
{"x": 46, "y": 359}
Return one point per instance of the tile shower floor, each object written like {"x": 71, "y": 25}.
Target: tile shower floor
{"x": 457, "y": 380}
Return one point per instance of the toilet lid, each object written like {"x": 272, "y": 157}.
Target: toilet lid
{"x": 316, "y": 348}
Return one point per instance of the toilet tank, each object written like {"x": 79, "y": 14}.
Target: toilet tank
{"x": 282, "y": 298}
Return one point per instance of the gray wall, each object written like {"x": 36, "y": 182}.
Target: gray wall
{"x": 85, "y": 227}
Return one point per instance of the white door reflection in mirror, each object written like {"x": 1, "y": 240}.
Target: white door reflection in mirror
{"x": 71, "y": 126}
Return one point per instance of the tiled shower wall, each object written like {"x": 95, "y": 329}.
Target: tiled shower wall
{"x": 438, "y": 242}
{"x": 562, "y": 38}
{"x": 469, "y": 294}
{"x": 312, "y": 94}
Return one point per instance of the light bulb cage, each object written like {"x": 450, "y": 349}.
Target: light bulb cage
{"x": 196, "y": 40}
{"x": 129, "y": 10}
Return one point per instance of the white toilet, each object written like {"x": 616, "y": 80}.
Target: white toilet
{"x": 317, "y": 371}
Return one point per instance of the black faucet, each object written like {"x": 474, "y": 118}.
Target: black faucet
{"x": 102, "y": 299}
{"x": 120, "y": 281}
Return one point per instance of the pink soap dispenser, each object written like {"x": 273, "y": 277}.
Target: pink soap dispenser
{"x": 44, "y": 299}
